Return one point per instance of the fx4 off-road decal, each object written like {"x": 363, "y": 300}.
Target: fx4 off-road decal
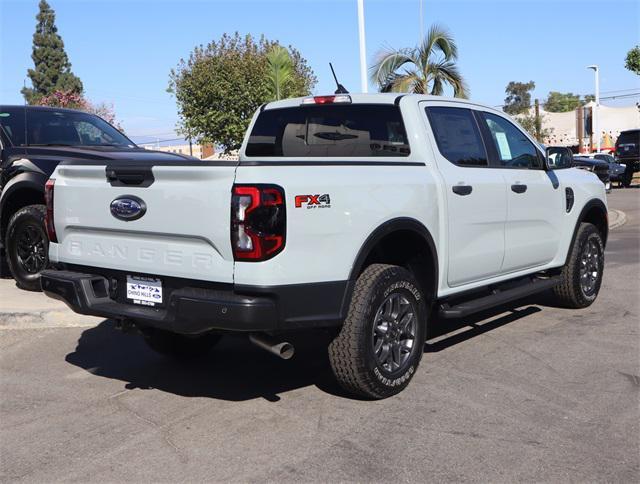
{"x": 313, "y": 201}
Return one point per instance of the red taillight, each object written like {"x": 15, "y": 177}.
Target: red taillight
{"x": 258, "y": 222}
{"x": 48, "y": 220}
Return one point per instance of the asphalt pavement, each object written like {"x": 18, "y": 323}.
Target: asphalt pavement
{"x": 526, "y": 393}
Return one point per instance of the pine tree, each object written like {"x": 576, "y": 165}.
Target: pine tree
{"x": 52, "y": 67}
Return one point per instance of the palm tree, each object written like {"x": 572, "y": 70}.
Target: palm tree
{"x": 280, "y": 70}
{"x": 421, "y": 70}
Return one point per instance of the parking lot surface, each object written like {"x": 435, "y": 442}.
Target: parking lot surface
{"x": 526, "y": 393}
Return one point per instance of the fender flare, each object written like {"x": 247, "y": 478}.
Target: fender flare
{"x": 593, "y": 203}
{"x": 29, "y": 180}
{"x": 386, "y": 228}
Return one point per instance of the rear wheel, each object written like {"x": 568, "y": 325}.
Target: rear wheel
{"x": 581, "y": 277}
{"x": 27, "y": 246}
{"x": 179, "y": 346}
{"x": 380, "y": 345}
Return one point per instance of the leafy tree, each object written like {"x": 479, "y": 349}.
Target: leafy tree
{"x": 518, "y": 98}
{"x": 425, "y": 69}
{"x": 632, "y": 61}
{"x": 534, "y": 126}
{"x": 559, "y": 102}
{"x": 280, "y": 70}
{"x": 220, "y": 85}
{"x": 52, "y": 67}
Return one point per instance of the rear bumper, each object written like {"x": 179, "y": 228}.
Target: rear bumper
{"x": 201, "y": 307}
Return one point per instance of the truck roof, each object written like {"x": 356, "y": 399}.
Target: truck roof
{"x": 38, "y": 108}
{"x": 372, "y": 98}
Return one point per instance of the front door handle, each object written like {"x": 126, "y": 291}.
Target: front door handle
{"x": 462, "y": 189}
{"x": 518, "y": 188}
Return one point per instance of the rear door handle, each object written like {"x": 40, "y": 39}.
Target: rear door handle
{"x": 462, "y": 189}
{"x": 518, "y": 188}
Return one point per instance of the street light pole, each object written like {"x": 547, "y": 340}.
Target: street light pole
{"x": 596, "y": 112}
{"x": 363, "y": 50}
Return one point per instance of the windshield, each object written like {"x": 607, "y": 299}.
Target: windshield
{"x": 50, "y": 127}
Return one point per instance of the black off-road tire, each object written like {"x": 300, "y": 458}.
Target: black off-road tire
{"x": 179, "y": 346}
{"x": 351, "y": 353}
{"x": 29, "y": 218}
{"x": 569, "y": 292}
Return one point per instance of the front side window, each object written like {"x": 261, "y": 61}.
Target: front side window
{"x": 457, "y": 135}
{"x": 329, "y": 131}
{"x": 513, "y": 147}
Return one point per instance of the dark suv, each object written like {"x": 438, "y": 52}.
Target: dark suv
{"x": 628, "y": 152}
{"x": 33, "y": 140}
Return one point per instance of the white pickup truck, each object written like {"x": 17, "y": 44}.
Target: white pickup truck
{"x": 369, "y": 215}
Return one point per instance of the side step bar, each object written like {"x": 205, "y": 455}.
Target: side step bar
{"x": 497, "y": 298}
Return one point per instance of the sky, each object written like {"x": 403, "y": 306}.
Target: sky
{"x": 123, "y": 50}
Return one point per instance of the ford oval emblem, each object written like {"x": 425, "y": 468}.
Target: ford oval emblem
{"x": 128, "y": 208}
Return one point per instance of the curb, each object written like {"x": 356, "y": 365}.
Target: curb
{"x": 617, "y": 218}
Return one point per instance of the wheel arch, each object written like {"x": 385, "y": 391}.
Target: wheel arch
{"x": 401, "y": 241}
{"x": 594, "y": 212}
{"x": 22, "y": 190}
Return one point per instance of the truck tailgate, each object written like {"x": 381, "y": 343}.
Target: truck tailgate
{"x": 183, "y": 232}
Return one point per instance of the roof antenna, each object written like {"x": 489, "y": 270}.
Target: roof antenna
{"x": 341, "y": 89}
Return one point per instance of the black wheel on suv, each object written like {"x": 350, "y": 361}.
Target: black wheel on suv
{"x": 582, "y": 274}
{"x": 380, "y": 345}
{"x": 179, "y": 346}
{"x": 27, "y": 246}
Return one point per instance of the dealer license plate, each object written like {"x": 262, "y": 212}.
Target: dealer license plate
{"x": 146, "y": 291}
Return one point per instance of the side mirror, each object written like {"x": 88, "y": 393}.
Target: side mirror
{"x": 558, "y": 157}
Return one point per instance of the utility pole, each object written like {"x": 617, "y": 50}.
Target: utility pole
{"x": 580, "y": 129}
{"x": 363, "y": 50}
{"x": 595, "y": 129}
{"x": 421, "y": 23}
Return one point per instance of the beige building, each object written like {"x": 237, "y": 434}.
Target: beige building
{"x": 565, "y": 127}
{"x": 199, "y": 151}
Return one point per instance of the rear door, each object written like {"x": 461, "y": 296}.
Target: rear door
{"x": 535, "y": 200}
{"x": 181, "y": 229}
{"x": 476, "y": 195}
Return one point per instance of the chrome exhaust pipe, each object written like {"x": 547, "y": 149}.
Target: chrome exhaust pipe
{"x": 282, "y": 350}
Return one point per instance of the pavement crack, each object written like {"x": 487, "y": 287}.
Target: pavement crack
{"x": 164, "y": 432}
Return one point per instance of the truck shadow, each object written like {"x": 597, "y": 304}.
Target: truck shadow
{"x": 235, "y": 370}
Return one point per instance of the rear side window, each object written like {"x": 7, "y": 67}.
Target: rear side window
{"x": 457, "y": 136}
{"x": 333, "y": 130}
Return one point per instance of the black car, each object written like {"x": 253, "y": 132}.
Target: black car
{"x": 628, "y": 152}
{"x": 616, "y": 169}
{"x": 599, "y": 167}
{"x": 33, "y": 140}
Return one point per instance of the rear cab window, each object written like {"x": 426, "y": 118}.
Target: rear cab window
{"x": 629, "y": 137}
{"x": 341, "y": 131}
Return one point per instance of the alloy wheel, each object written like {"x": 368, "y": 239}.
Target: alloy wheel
{"x": 31, "y": 247}
{"x": 590, "y": 267}
{"x": 394, "y": 332}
